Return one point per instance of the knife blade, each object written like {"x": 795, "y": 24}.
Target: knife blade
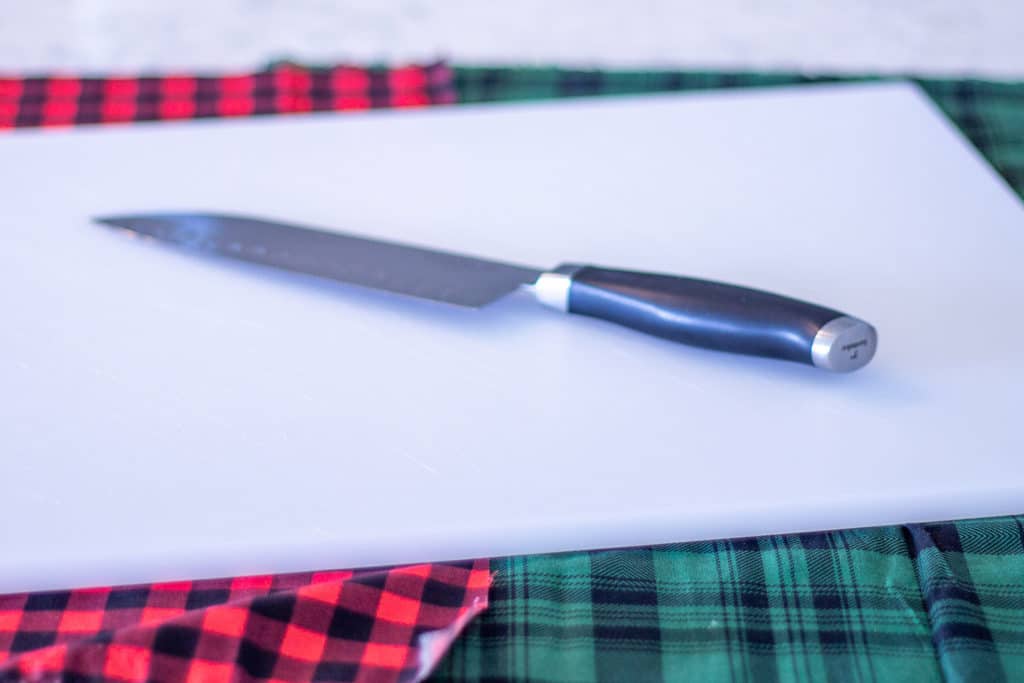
{"x": 695, "y": 312}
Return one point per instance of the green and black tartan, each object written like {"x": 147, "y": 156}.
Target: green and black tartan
{"x": 925, "y": 602}
{"x": 915, "y": 603}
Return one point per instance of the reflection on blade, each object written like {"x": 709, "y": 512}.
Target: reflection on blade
{"x": 412, "y": 271}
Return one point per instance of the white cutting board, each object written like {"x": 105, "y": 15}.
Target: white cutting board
{"x": 165, "y": 416}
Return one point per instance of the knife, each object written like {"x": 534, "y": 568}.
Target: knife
{"x": 712, "y": 315}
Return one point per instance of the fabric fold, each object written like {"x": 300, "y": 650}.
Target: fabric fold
{"x": 374, "y": 625}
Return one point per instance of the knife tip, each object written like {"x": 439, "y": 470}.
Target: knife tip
{"x": 114, "y": 221}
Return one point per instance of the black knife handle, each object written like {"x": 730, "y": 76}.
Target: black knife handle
{"x": 714, "y": 315}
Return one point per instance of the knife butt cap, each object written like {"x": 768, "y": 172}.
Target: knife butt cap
{"x": 844, "y": 344}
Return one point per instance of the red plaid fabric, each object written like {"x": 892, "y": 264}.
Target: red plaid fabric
{"x": 375, "y": 625}
{"x": 69, "y": 100}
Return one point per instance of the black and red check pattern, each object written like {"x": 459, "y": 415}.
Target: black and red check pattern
{"x": 285, "y": 89}
{"x": 373, "y": 625}
{"x": 380, "y": 625}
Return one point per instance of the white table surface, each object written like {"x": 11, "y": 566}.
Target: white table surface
{"x": 943, "y": 37}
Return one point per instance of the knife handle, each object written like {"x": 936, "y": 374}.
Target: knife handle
{"x": 713, "y": 315}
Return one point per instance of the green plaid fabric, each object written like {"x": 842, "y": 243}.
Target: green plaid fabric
{"x": 915, "y": 603}
{"x": 928, "y": 602}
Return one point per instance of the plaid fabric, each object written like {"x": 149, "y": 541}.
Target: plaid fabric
{"x": 61, "y": 101}
{"x": 916, "y": 603}
{"x": 374, "y": 625}
{"x": 991, "y": 114}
